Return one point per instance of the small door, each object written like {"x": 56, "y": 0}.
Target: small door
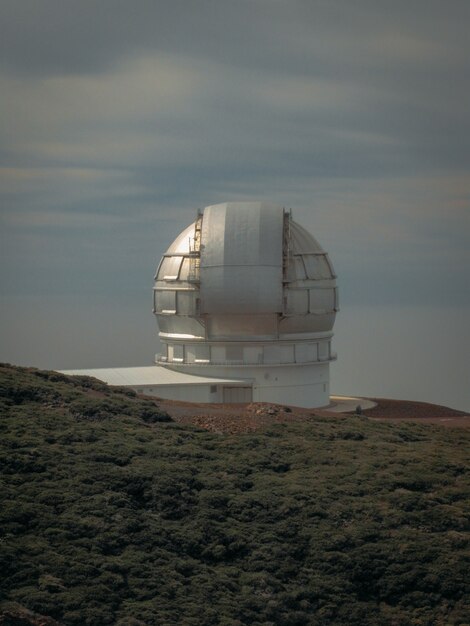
{"x": 237, "y": 394}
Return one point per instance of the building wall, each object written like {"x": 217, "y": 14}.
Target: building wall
{"x": 199, "y": 393}
{"x": 306, "y": 385}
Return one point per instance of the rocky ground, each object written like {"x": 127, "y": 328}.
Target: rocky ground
{"x": 242, "y": 418}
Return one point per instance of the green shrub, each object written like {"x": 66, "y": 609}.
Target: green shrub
{"x": 110, "y": 514}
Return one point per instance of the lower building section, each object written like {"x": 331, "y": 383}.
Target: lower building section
{"x": 162, "y": 382}
{"x": 305, "y": 386}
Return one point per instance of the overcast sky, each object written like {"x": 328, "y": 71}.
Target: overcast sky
{"x": 119, "y": 119}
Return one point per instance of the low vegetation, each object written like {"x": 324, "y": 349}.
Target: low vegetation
{"x": 113, "y": 514}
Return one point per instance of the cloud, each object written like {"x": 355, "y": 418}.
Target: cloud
{"x": 125, "y": 118}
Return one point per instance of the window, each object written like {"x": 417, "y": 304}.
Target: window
{"x": 316, "y": 266}
{"x": 165, "y": 301}
{"x": 297, "y": 301}
{"x": 253, "y": 354}
{"x": 217, "y": 354}
{"x": 185, "y": 266}
{"x": 305, "y": 352}
{"x": 298, "y": 268}
{"x": 323, "y": 350}
{"x": 271, "y": 354}
{"x": 322, "y": 299}
{"x": 287, "y": 354}
{"x": 178, "y": 353}
{"x": 201, "y": 353}
{"x": 170, "y": 268}
{"x": 185, "y": 303}
{"x": 234, "y": 353}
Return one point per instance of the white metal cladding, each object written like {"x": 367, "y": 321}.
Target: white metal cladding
{"x": 241, "y": 259}
{"x": 302, "y": 242}
{"x": 181, "y": 244}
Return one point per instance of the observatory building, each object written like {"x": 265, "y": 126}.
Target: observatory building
{"x": 246, "y": 292}
{"x": 245, "y": 299}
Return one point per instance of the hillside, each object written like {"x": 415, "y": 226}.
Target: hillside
{"x": 112, "y": 513}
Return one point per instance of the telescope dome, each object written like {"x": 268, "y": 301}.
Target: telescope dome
{"x": 243, "y": 286}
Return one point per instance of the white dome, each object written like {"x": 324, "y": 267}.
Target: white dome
{"x": 244, "y": 271}
{"x": 247, "y": 292}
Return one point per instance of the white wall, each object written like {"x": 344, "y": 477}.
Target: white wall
{"x": 184, "y": 392}
{"x": 304, "y": 385}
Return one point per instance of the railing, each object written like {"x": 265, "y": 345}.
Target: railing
{"x": 159, "y": 358}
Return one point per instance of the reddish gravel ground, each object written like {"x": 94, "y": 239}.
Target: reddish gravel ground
{"x": 242, "y": 418}
{"x": 406, "y": 410}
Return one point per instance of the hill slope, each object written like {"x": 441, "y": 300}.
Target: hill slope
{"x": 111, "y": 514}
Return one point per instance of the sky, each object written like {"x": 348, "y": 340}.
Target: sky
{"x": 120, "y": 119}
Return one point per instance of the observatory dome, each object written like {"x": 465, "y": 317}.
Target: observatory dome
{"x": 246, "y": 291}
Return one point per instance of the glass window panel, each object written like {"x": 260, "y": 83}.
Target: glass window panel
{"x": 297, "y": 301}
{"x": 287, "y": 354}
{"x": 190, "y": 354}
{"x": 185, "y": 303}
{"x": 316, "y": 266}
{"x": 322, "y": 300}
{"x": 217, "y": 354}
{"x": 323, "y": 350}
{"x": 305, "y": 352}
{"x": 271, "y": 354}
{"x": 170, "y": 267}
{"x": 184, "y": 271}
{"x": 234, "y": 353}
{"x": 296, "y": 269}
{"x": 330, "y": 265}
{"x": 202, "y": 353}
{"x": 300, "y": 353}
{"x": 166, "y": 301}
{"x": 253, "y": 354}
{"x": 178, "y": 353}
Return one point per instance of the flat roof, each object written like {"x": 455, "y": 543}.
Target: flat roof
{"x": 151, "y": 375}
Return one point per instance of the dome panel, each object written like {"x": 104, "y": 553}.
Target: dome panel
{"x": 316, "y": 266}
{"x": 183, "y": 242}
{"x": 297, "y": 301}
{"x": 169, "y": 268}
{"x": 241, "y": 258}
{"x": 301, "y": 241}
{"x": 321, "y": 300}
